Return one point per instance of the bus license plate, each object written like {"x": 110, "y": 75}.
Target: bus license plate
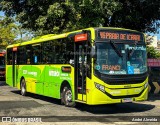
{"x": 127, "y": 100}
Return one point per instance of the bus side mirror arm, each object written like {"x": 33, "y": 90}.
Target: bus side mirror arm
{"x": 93, "y": 52}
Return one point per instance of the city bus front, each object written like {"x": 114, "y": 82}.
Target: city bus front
{"x": 119, "y": 67}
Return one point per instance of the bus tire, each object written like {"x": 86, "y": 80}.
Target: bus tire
{"x": 67, "y": 97}
{"x": 23, "y": 87}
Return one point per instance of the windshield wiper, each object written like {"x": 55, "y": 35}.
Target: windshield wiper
{"x": 115, "y": 48}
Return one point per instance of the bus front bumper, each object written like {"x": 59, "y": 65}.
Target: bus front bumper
{"x": 97, "y": 97}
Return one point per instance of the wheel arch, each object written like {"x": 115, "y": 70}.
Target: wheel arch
{"x": 64, "y": 83}
{"x": 22, "y": 77}
{"x": 67, "y": 84}
{"x": 23, "y": 86}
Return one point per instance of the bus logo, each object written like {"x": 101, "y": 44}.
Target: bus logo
{"x": 53, "y": 73}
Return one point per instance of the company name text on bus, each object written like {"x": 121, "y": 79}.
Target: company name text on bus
{"x": 119, "y": 36}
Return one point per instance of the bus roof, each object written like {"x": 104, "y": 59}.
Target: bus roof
{"x": 58, "y": 36}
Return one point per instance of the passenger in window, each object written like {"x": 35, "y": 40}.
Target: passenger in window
{"x": 28, "y": 61}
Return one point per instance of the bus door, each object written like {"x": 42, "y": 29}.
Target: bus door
{"x": 14, "y": 66}
{"x": 80, "y": 70}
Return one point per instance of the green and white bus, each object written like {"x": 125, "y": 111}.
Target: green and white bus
{"x": 93, "y": 66}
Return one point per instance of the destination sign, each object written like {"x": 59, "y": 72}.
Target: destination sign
{"x": 120, "y": 35}
{"x": 80, "y": 37}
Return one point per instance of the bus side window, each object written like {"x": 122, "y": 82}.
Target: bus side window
{"x": 29, "y": 54}
{"x": 21, "y": 55}
{"x": 48, "y": 53}
{"x": 69, "y": 54}
{"x": 9, "y": 56}
{"x": 36, "y": 53}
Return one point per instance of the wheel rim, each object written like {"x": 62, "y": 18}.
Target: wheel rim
{"x": 23, "y": 89}
{"x": 68, "y": 96}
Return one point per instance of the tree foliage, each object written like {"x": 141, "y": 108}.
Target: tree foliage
{"x": 152, "y": 53}
{"x": 12, "y": 32}
{"x": 57, "y": 16}
{"x": 141, "y": 15}
{"x": 7, "y": 31}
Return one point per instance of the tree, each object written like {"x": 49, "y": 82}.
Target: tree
{"x": 149, "y": 39}
{"x": 152, "y": 53}
{"x": 11, "y": 32}
{"x": 7, "y": 31}
{"x": 57, "y": 16}
{"x": 23, "y": 34}
{"x": 141, "y": 15}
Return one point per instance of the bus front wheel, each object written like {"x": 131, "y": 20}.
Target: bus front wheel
{"x": 67, "y": 97}
{"x": 23, "y": 87}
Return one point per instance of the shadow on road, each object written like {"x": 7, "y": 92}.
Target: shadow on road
{"x": 3, "y": 83}
{"x": 98, "y": 109}
{"x": 40, "y": 97}
{"x": 116, "y": 108}
{"x": 153, "y": 97}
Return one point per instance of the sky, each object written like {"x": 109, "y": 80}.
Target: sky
{"x": 157, "y": 34}
{"x": 1, "y": 13}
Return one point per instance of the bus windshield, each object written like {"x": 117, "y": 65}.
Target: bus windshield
{"x": 120, "y": 58}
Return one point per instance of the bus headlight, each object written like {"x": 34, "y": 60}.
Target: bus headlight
{"x": 145, "y": 86}
{"x": 100, "y": 87}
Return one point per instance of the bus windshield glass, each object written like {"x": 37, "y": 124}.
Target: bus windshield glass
{"x": 108, "y": 61}
{"x": 120, "y": 57}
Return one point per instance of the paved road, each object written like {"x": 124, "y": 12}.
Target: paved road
{"x": 12, "y": 104}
